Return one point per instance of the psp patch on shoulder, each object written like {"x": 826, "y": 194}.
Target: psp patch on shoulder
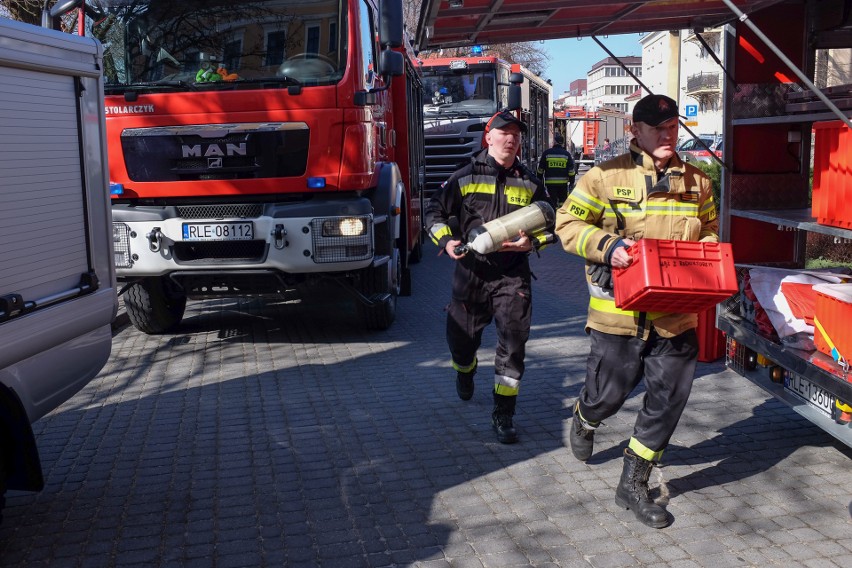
{"x": 578, "y": 211}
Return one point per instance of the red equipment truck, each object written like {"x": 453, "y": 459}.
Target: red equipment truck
{"x": 785, "y": 182}
{"x": 259, "y": 148}
{"x": 588, "y": 130}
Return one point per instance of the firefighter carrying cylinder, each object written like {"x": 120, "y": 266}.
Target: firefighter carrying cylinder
{"x": 489, "y": 237}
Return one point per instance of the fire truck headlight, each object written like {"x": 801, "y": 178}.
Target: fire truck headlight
{"x": 121, "y": 245}
{"x": 344, "y": 227}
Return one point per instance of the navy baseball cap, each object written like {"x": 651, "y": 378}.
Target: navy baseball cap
{"x": 557, "y": 138}
{"x": 503, "y": 119}
{"x": 654, "y": 110}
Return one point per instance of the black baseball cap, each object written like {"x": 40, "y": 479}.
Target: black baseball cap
{"x": 557, "y": 138}
{"x": 654, "y": 110}
{"x": 503, "y": 119}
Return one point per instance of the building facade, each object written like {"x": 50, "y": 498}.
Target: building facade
{"x": 609, "y": 84}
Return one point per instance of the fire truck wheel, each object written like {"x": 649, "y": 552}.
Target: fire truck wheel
{"x": 381, "y": 280}
{"x": 154, "y": 305}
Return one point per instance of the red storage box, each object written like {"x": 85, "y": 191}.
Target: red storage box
{"x": 831, "y": 203}
{"x": 675, "y": 276}
{"x": 833, "y": 320}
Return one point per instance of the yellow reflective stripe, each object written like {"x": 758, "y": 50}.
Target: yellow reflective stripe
{"x": 583, "y": 240}
{"x": 440, "y": 230}
{"x": 540, "y": 237}
{"x": 556, "y": 180}
{"x": 474, "y": 187}
{"x": 585, "y": 200}
{"x": 465, "y": 368}
{"x": 610, "y": 214}
{"x": 507, "y": 386}
{"x": 608, "y": 307}
{"x": 643, "y": 451}
{"x": 690, "y": 209}
{"x": 709, "y": 209}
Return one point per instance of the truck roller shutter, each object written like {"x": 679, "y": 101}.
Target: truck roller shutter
{"x": 40, "y": 156}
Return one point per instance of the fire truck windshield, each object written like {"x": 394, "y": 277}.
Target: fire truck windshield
{"x": 195, "y": 45}
{"x": 469, "y": 93}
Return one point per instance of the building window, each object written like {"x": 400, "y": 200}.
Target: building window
{"x": 332, "y": 37}
{"x": 275, "y": 47}
{"x": 231, "y": 55}
{"x": 312, "y": 42}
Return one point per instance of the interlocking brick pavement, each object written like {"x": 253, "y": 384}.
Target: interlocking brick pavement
{"x": 281, "y": 434}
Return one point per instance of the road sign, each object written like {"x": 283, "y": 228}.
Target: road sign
{"x": 691, "y": 110}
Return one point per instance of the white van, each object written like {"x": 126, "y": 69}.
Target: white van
{"x": 57, "y": 281}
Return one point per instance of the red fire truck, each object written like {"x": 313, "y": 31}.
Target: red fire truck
{"x": 259, "y": 148}
{"x": 589, "y": 129}
{"x": 462, "y": 93}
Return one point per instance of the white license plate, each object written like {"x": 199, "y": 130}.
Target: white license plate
{"x": 809, "y": 392}
{"x": 243, "y": 231}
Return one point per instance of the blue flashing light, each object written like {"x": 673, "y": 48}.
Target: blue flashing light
{"x": 116, "y": 188}
{"x": 476, "y": 50}
{"x": 316, "y": 182}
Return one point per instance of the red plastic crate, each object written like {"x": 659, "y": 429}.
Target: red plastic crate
{"x": 675, "y": 276}
{"x": 834, "y": 314}
{"x": 831, "y": 203}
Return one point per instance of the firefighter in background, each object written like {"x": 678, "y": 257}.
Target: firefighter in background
{"x": 647, "y": 192}
{"x": 556, "y": 168}
{"x": 496, "y": 285}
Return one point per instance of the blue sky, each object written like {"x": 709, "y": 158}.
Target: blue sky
{"x": 571, "y": 59}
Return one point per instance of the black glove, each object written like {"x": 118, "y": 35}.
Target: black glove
{"x": 601, "y": 275}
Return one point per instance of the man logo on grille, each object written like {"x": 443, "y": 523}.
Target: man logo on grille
{"x": 214, "y": 163}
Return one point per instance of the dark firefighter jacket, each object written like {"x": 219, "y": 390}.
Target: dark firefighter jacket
{"x": 625, "y": 197}
{"x": 556, "y": 167}
{"x": 479, "y": 192}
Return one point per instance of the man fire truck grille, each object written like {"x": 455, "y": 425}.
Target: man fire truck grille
{"x": 180, "y": 154}
{"x": 446, "y": 154}
{"x": 233, "y": 211}
{"x": 234, "y": 251}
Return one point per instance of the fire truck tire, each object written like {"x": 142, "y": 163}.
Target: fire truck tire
{"x": 380, "y": 280}
{"x": 154, "y": 305}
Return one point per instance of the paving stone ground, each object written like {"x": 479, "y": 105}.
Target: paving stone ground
{"x": 281, "y": 434}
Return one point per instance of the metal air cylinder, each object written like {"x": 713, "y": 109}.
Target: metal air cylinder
{"x": 531, "y": 219}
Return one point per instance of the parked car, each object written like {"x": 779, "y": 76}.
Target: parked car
{"x": 693, "y": 150}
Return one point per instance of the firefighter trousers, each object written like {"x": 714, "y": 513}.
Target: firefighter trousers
{"x": 481, "y": 294}
{"x": 614, "y": 368}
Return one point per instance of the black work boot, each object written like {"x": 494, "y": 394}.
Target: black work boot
{"x": 501, "y": 418}
{"x": 464, "y": 384}
{"x": 632, "y": 492}
{"x": 582, "y": 436}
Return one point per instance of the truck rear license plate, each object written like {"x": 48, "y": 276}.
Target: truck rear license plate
{"x": 809, "y": 392}
{"x": 218, "y": 231}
